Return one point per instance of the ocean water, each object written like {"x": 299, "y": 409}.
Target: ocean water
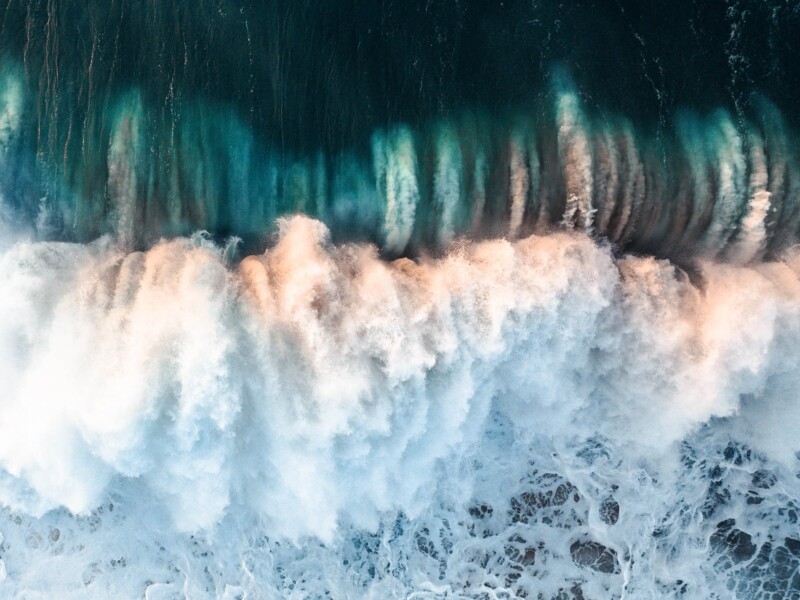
{"x": 421, "y": 300}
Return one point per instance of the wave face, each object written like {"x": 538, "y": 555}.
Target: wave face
{"x": 713, "y": 185}
{"x": 399, "y": 300}
{"x": 402, "y": 125}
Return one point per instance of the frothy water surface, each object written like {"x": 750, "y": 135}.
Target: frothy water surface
{"x": 515, "y": 419}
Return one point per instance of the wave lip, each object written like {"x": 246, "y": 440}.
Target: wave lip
{"x": 710, "y": 185}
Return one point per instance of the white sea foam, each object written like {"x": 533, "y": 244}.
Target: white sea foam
{"x": 447, "y": 184}
{"x": 315, "y": 419}
{"x": 576, "y": 158}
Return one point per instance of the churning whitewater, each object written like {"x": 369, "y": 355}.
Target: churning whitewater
{"x": 532, "y": 417}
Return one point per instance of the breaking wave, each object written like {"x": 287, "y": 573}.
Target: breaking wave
{"x": 511, "y": 419}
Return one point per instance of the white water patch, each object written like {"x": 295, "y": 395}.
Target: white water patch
{"x": 576, "y": 160}
{"x": 731, "y": 182}
{"x": 317, "y": 420}
{"x": 753, "y": 231}
{"x": 782, "y": 166}
{"x": 395, "y": 162}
